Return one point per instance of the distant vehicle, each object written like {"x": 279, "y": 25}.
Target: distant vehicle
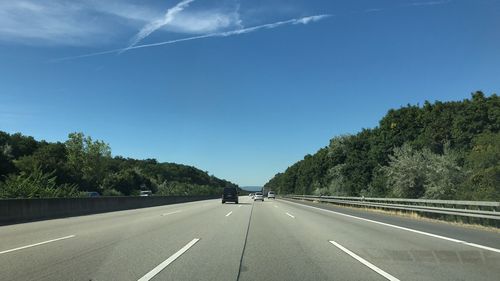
{"x": 230, "y": 194}
{"x": 93, "y": 194}
{"x": 271, "y": 194}
{"x": 146, "y": 193}
{"x": 258, "y": 196}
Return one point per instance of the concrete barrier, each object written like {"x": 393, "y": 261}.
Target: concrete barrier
{"x": 24, "y": 210}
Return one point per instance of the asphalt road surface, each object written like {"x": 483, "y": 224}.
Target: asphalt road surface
{"x": 270, "y": 240}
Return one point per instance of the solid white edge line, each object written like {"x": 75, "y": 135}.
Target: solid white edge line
{"x": 36, "y": 244}
{"x": 365, "y": 262}
{"x": 171, "y": 213}
{"x": 481, "y": 247}
{"x": 168, "y": 261}
{"x": 228, "y": 214}
{"x": 290, "y": 215}
{"x": 405, "y": 228}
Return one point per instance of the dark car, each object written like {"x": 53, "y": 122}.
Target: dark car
{"x": 230, "y": 194}
{"x": 93, "y": 194}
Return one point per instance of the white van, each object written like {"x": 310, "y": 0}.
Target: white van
{"x": 271, "y": 194}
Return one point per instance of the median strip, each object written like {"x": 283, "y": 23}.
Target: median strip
{"x": 168, "y": 261}
{"x": 37, "y": 244}
{"x": 365, "y": 262}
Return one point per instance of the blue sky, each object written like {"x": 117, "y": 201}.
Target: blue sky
{"x": 266, "y": 83}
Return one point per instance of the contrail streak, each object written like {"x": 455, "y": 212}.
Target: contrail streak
{"x": 155, "y": 25}
{"x": 303, "y": 20}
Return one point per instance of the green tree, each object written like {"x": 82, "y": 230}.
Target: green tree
{"x": 127, "y": 182}
{"x": 483, "y": 160}
{"x": 407, "y": 172}
{"x": 83, "y": 162}
{"x": 337, "y": 183}
{"x": 415, "y": 173}
{"x": 6, "y": 163}
{"x": 432, "y": 158}
{"x": 445, "y": 175}
{"x": 87, "y": 159}
{"x": 378, "y": 186}
{"x": 51, "y": 158}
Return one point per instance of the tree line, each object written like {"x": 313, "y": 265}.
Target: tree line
{"x": 40, "y": 169}
{"x": 441, "y": 150}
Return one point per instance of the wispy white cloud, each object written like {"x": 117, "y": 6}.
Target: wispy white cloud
{"x": 303, "y": 20}
{"x": 97, "y": 22}
{"x": 110, "y": 22}
{"x": 62, "y": 22}
{"x": 306, "y": 20}
{"x": 205, "y": 21}
{"x": 136, "y": 14}
{"x": 159, "y": 23}
{"x": 296, "y": 21}
{"x": 178, "y": 19}
{"x": 55, "y": 22}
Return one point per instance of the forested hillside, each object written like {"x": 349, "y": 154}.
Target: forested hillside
{"x": 35, "y": 169}
{"x": 441, "y": 150}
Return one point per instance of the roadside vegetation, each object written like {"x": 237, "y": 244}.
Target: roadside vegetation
{"x": 441, "y": 150}
{"x": 40, "y": 169}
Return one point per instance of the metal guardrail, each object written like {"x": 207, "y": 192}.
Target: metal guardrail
{"x": 474, "y": 209}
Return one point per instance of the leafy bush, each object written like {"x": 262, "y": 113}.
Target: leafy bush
{"x": 111, "y": 192}
{"x": 484, "y": 164}
{"x": 36, "y": 185}
{"x": 420, "y": 173}
{"x": 185, "y": 189}
{"x": 407, "y": 172}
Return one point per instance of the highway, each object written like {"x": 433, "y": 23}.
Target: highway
{"x": 270, "y": 240}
